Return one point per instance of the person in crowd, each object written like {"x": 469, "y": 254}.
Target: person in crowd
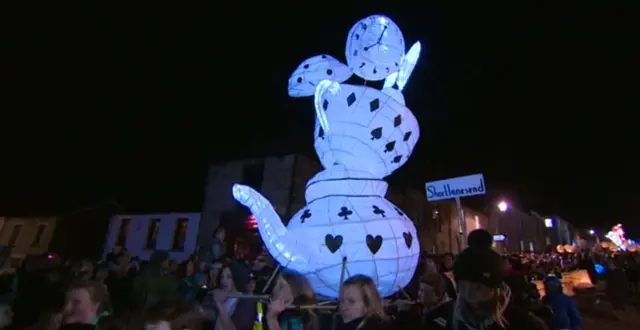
{"x": 40, "y": 290}
{"x": 483, "y": 297}
{"x": 233, "y": 313}
{"x": 617, "y": 285}
{"x": 261, "y": 269}
{"x": 361, "y": 305}
{"x": 565, "y": 311}
{"x": 191, "y": 282}
{"x": 448, "y": 260}
{"x": 213, "y": 273}
{"x": 291, "y": 289}
{"x": 175, "y": 316}
{"x": 102, "y": 271}
{"x": 85, "y": 303}
{"x": 48, "y": 321}
{"x": 154, "y": 284}
{"x": 515, "y": 278}
{"x": 436, "y": 306}
{"x": 218, "y": 247}
{"x": 119, "y": 283}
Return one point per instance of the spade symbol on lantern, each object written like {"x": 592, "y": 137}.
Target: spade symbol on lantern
{"x": 345, "y": 213}
{"x": 333, "y": 243}
{"x": 376, "y": 133}
{"x": 378, "y": 211}
{"x": 390, "y": 146}
{"x": 305, "y": 215}
{"x": 408, "y": 239}
{"x": 374, "y": 243}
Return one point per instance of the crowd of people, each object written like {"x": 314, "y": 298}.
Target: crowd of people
{"x": 477, "y": 289}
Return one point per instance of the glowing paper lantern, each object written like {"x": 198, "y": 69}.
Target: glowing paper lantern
{"x": 375, "y": 48}
{"x": 407, "y": 65}
{"x": 560, "y": 248}
{"x": 361, "y": 136}
{"x": 395, "y": 94}
{"x": 569, "y": 248}
{"x": 312, "y": 71}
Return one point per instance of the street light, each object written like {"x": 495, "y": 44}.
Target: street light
{"x": 592, "y": 232}
{"x": 503, "y": 206}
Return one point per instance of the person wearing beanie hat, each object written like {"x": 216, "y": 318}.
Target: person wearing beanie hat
{"x": 483, "y": 298}
{"x": 479, "y": 263}
{"x": 565, "y": 311}
{"x": 480, "y": 237}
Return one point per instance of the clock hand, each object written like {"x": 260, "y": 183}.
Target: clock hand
{"x": 379, "y": 38}
{"x": 382, "y": 34}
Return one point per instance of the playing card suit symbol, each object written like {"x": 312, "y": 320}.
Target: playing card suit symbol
{"x": 374, "y": 243}
{"x": 333, "y": 243}
{"x": 408, "y": 239}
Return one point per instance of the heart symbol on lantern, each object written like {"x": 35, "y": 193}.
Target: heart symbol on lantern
{"x": 408, "y": 239}
{"x": 374, "y": 243}
{"x": 333, "y": 243}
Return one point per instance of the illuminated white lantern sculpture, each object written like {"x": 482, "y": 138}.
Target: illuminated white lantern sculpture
{"x": 362, "y": 135}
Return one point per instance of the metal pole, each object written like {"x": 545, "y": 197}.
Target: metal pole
{"x": 463, "y": 225}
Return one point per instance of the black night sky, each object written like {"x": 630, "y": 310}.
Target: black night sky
{"x": 104, "y": 102}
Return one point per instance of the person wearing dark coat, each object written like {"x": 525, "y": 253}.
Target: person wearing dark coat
{"x": 154, "y": 284}
{"x": 484, "y": 300}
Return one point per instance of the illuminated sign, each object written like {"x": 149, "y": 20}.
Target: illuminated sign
{"x": 499, "y": 238}
{"x": 548, "y": 222}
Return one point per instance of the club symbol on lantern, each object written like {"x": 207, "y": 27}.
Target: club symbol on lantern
{"x": 362, "y": 135}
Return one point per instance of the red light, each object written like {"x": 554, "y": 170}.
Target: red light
{"x": 251, "y": 222}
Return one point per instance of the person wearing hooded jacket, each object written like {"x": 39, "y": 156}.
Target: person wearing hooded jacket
{"x": 565, "y": 311}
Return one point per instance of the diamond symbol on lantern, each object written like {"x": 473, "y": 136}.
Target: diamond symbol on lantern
{"x": 351, "y": 99}
{"x": 397, "y": 121}
{"x": 374, "y": 105}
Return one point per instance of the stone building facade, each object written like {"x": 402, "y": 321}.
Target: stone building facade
{"x": 26, "y": 236}
{"x": 281, "y": 179}
{"x": 437, "y": 223}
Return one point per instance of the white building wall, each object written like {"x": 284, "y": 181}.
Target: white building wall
{"x": 136, "y": 238}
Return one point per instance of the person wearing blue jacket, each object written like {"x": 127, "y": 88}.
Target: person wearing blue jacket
{"x": 565, "y": 311}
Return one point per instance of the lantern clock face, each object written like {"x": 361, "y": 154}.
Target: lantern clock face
{"x": 375, "y": 47}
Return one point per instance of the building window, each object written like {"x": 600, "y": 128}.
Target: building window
{"x": 152, "y": 234}
{"x": 123, "y": 232}
{"x": 15, "y": 234}
{"x": 180, "y": 234}
{"x": 39, "y": 232}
